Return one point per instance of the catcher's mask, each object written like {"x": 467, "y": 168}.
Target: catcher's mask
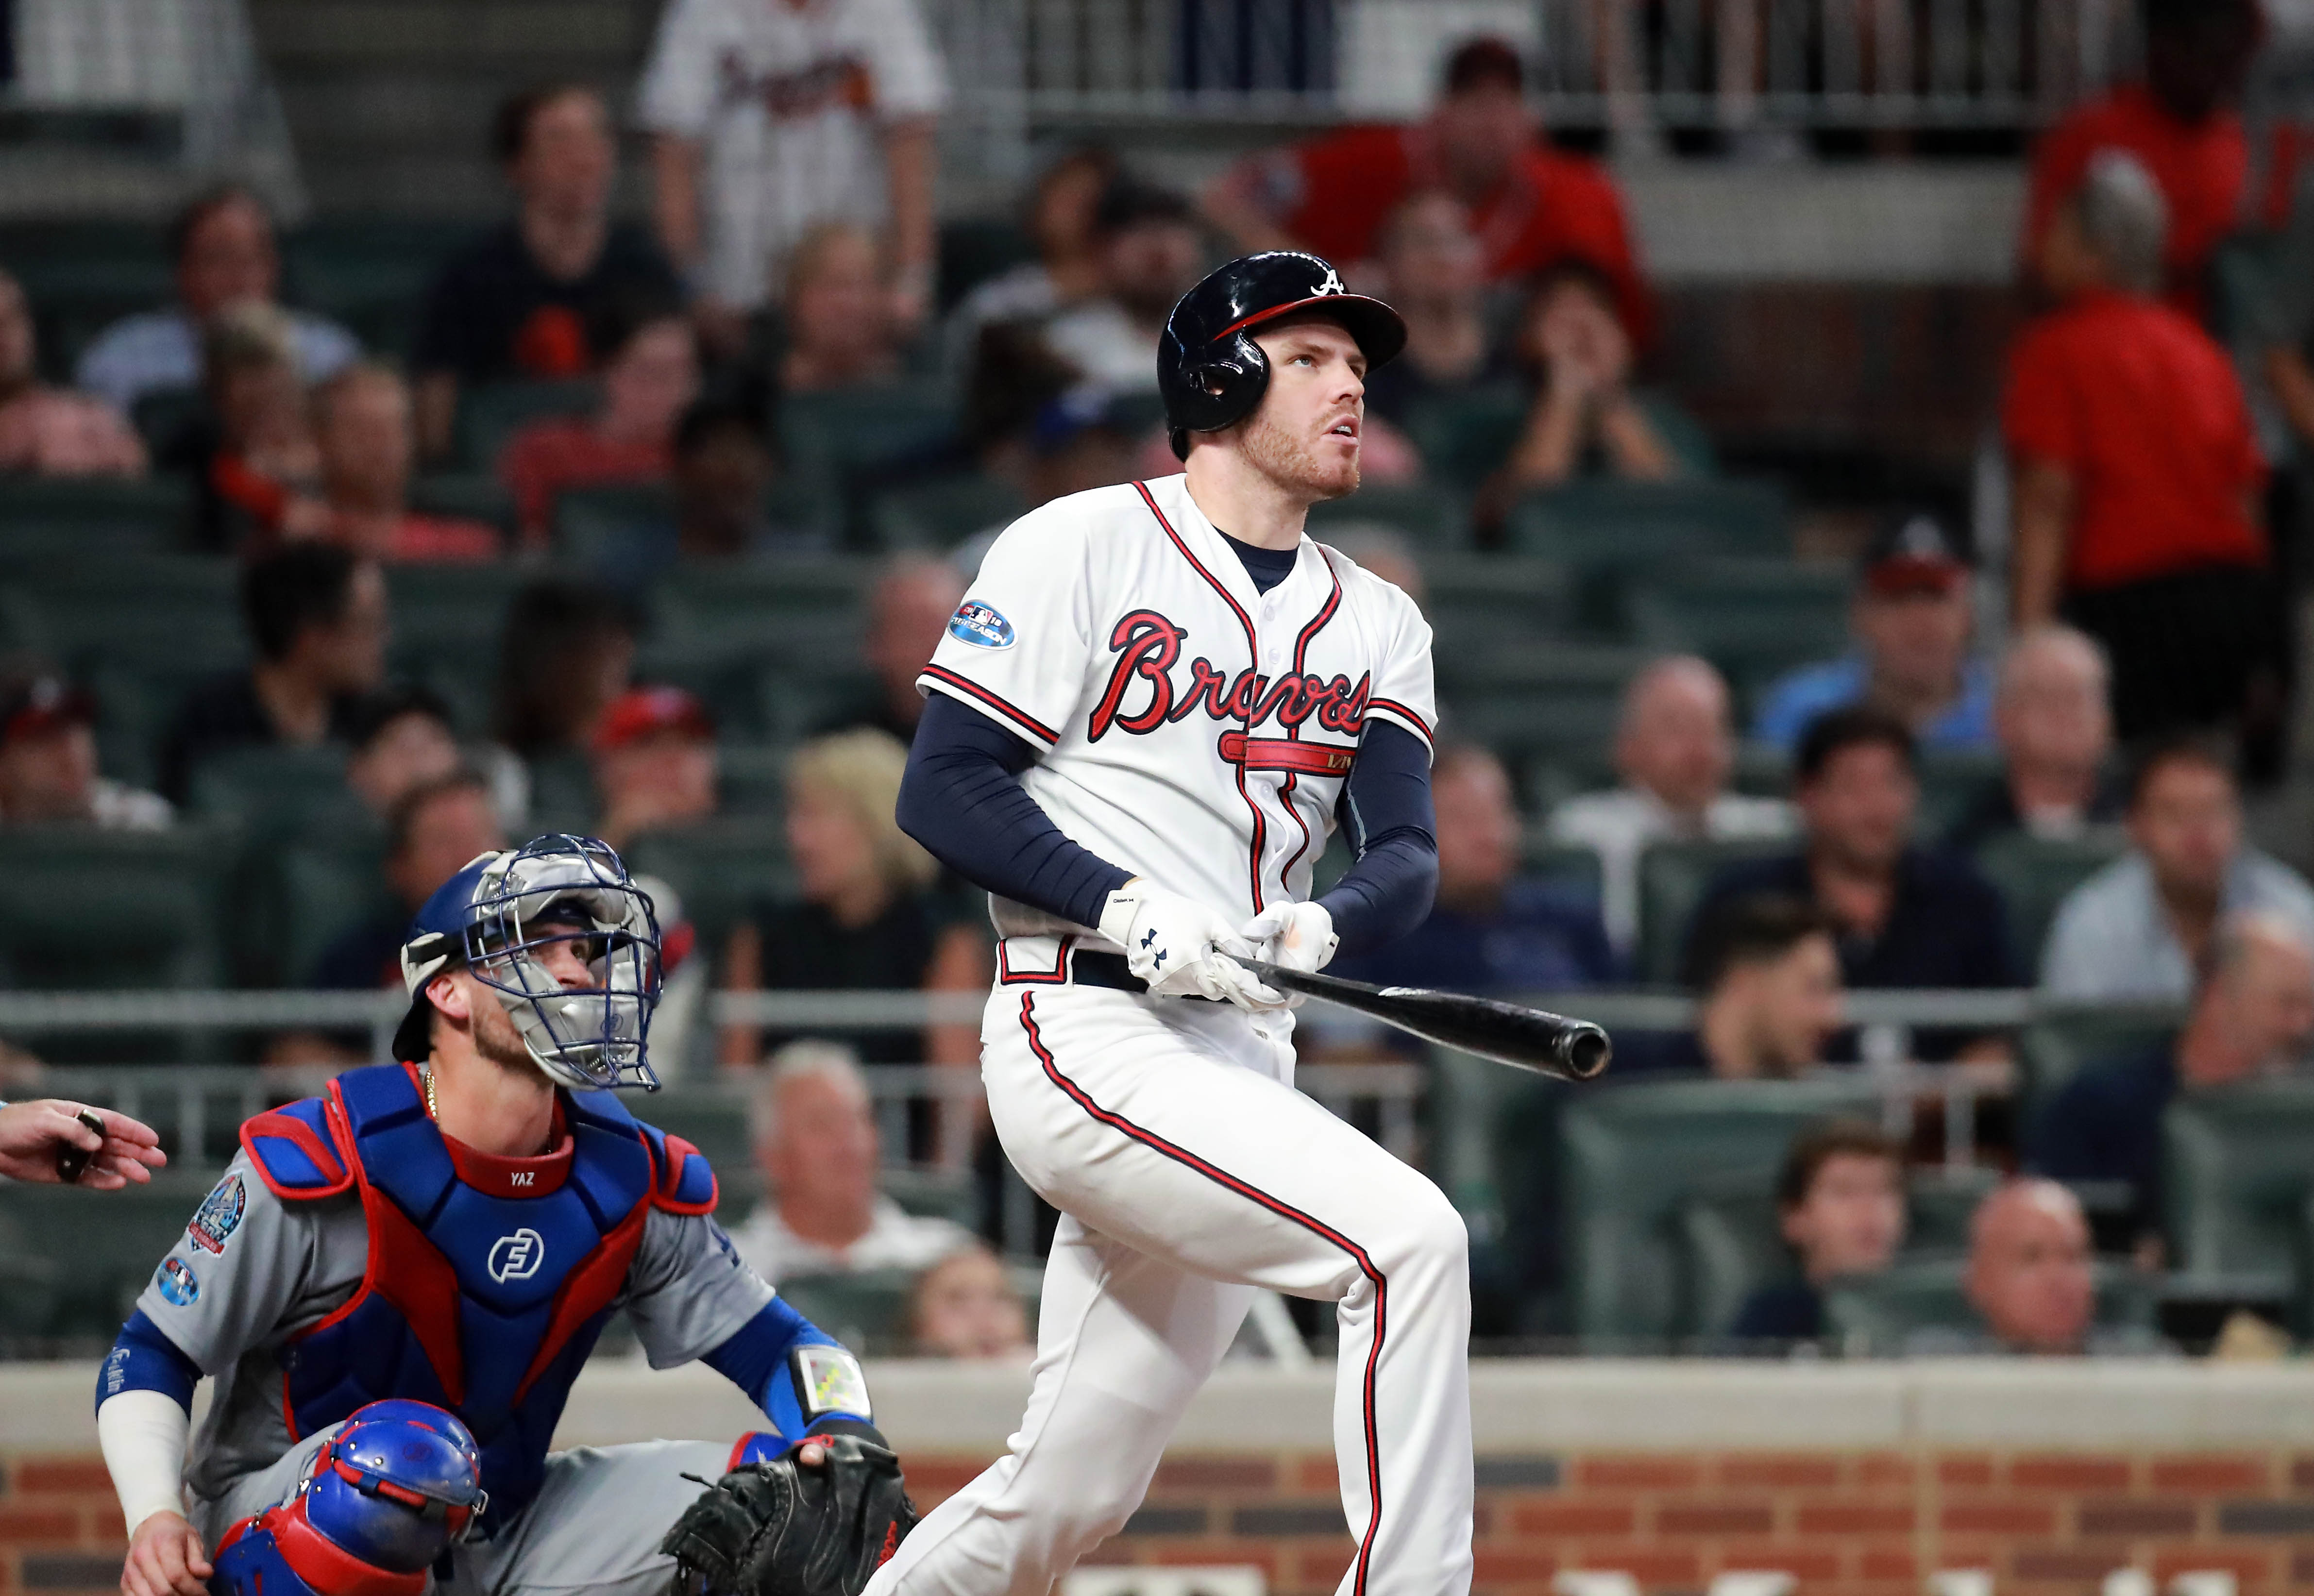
{"x": 495, "y": 917}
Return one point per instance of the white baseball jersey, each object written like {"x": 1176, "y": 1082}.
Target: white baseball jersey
{"x": 790, "y": 100}
{"x": 1192, "y": 730}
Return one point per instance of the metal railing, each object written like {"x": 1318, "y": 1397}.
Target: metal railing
{"x": 1882, "y": 63}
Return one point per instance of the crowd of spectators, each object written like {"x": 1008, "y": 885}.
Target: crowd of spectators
{"x": 2139, "y": 675}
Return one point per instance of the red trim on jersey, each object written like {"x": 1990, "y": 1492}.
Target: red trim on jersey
{"x": 1279, "y": 753}
{"x": 1027, "y": 723}
{"x": 1395, "y": 707}
{"x": 1253, "y": 664}
{"x": 1301, "y": 653}
{"x": 1222, "y": 1178}
{"x": 1058, "y": 976}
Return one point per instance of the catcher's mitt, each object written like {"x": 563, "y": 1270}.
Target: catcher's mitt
{"x": 779, "y": 1529}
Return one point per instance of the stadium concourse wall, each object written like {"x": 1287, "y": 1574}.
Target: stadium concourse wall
{"x": 1858, "y": 1479}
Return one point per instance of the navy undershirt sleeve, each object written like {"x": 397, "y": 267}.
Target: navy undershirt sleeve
{"x": 962, "y": 799}
{"x": 1386, "y": 815}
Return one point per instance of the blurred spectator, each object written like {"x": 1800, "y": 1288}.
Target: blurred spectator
{"x": 2029, "y": 1281}
{"x": 841, "y": 331}
{"x": 1067, "y": 267}
{"x": 1911, "y": 616}
{"x": 815, "y": 1140}
{"x": 650, "y": 375}
{"x": 723, "y": 468}
{"x": 516, "y": 303}
{"x": 361, "y": 420}
{"x": 1082, "y": 440}
{"x": 1385, "y": 551}
{"x": 1492, "y": 929}
{"x": 1903, "y": 916}
{"x": 965, "y": 1306}
{"x": 317, "y": 621}
{"x": 2180, "y": 124}
{"x": 2139, "y": 484}
{"x": 53, "y": 432}
{"x": 222, "y": 243}
{"x": 434, "y": 831}
{"x": 1674, "y": 748}
{"x": 255, "y": 464}
{"x": 1584, "y": 420}
{"x": 1151, "y": 253}
{"x": 654, "y": 757}
{"x": 2137, "y": 930}
{"x": 567, "y": 652}
{"x": 2056, "y": 733}
{"x": 1840, "y": 1205}
{"x": 1767, "y": 973}
{"x": 2253, "y": 1016}
{"x": 907, "y": 610}
{"x": 402, "y": 740}
{"x": 47, "y": 763}
{"x": 771, "y": 115}
{"x": 864, "y": 916}
{"x": 1433, "y": 273}
{"x": 1532, "y": 205}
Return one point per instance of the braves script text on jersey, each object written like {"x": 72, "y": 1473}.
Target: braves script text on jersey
{"x": 1198, "y": 733}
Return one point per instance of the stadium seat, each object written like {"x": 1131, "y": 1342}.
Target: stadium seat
{"x": 868, "y": 1310}
{"x": 2033, "y": 875}
{"x": 722, "y": 868}
{"x": 2235, "y": 1178}
{"x": 92, "y": 517}
{"x": 87, "y": 909}
{"x": 1494, "y": 616}
{"x": 1635, "y": 1154}
{"x": 2059, "y": 1042}
{"x": 1753, "y": 616}
{"x": 1940, "y": 1202}
{"x": 790, "y": 607}
{"x": 449, "y": 621}
{"x": 270, "y": 791}
{"x": 1429, "y": 515}
{"x": 81, "y": 275}
{"x": 1535, "y": 698}
{"x": 465, "y": 495}
{"x": 1874, "y": 1316}
{"x": 488, "y": 414}
{"x": 1950, "y": 781}
{"x": 942, "y": 514}
{"x": 98, "y": 1270}
{"x": 1463, "y": 437}
{"x": 713, "y": 1118}
{"x": 752, "y": 778}
{"x": 858, "y": 430}
{"x": 1673, "y": 878}
{"x": 1622, "y": 526}
{"x": 1573, "y": 871}
{"x": 372, "y": 274}
{"x": 1730, "y": 1246}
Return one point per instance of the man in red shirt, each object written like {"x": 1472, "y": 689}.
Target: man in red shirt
{"x": 2139, "y": 482}
{"x": 2180, "y": 123}
{"x": 1532, "y": 206}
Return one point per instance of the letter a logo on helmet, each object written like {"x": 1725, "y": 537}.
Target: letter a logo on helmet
{"x": 1211, "y": 372}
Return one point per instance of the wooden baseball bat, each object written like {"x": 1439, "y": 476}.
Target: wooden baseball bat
{"x": 1525, "y": 1038}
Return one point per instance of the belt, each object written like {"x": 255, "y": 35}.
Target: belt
{"x": 1087, "y": 968}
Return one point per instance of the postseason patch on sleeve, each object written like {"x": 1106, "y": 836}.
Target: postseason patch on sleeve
{"x": 980, "y": 625}
{"x": 220, "y": 1216}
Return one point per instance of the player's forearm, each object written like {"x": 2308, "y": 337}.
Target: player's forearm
{"x": 962, "y": 799}
{"x": 1392, "y": 826}
{"x": 142, "y": 1433}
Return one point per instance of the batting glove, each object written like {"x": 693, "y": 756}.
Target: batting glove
{"x": 1179, "y": 946}
{"x": 1292, "y": 936}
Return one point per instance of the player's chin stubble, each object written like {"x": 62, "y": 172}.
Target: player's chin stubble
{"x": 1295, "y": 464}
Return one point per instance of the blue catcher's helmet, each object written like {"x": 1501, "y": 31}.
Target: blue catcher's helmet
{"x": 398, "y": 1485}
{"x": 492, "y": 917}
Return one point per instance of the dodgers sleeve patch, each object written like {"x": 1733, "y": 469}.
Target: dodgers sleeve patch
{"x": 220, "y": 1216}
{"x": 981, "y": 625}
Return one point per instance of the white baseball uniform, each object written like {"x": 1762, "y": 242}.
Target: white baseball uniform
{"x": 1197, "y": 732}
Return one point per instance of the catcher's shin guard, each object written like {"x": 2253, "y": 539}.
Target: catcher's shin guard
{"x": 391, "y": 1492}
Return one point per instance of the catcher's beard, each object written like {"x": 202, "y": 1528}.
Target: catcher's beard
{"x": 495, "y": 1037}
{"x": 1293, "y": 462}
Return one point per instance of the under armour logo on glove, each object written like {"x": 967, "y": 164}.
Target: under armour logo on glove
{"x": 1160, "y": 959}
{"x": 1151, "y": 936}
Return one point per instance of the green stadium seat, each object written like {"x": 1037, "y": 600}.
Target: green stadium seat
{"x": 2055, "y": 1047}
{"x": 465, "y": 496}
{"x": 1634, "y": 1155}
{"x": 1429, "y": 515}
{"x": 1731, "y": 1247}
{"x": 81, "y": 276}
{"x": 271, "y": 791}
{"x": 934, "y": 1193}
{"x": 87, "y": 909}
{"x": 942, "y": 514}
{"x": 488, "y": 414}
{"x": 861, "y": 428}
{"x": 1537, "y": 696}
{"x": 2235, "y": 1176}
{"x": 713, "y": 1118}
{"x": 1624, "y": 526}
{"x": 721, "y": 867}
{"x": 449, "y": 621}
{"x": 320, "y": 889}
{"x": 974, "y": 249}
{"x": 1950, "y": 781}
{"x": 372, "y": 274}
{"x": 752, "y": 778}
{"x": 868, "y": 1310}
{"x": 1464, "y": 437}
{"x": 1573, "y": 871}
{"x": 1673, "y": 878}
{"x": 1753, "y": 616}
{"x": 790, "y": 607}
{"x": 2035, "y": 874}
{"x": 92, "y": 517}
{"x": 97, "y": 1271}
{"x": 1878, "y": 1315}
{"x": 1940, "y": 1204}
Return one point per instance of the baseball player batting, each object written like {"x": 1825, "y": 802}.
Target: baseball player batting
{"x": 395, "y": 1284}
{"x": 1152, "y": 707}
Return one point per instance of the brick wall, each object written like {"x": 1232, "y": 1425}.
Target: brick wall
{"x": 1854, "y": 1523}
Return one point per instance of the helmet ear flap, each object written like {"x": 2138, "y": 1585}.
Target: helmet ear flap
{"x": 1222, "y": 391}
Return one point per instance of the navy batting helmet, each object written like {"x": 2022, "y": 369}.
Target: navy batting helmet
{"x": 1210, "y": 370}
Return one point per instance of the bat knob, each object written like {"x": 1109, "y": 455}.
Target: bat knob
{"x": 1585, "y": 1050}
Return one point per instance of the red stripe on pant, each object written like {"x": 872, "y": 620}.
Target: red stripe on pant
{"x": 1182, "y": 1156}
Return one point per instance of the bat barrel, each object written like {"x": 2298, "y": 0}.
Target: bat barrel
{"x": 1583, "y": 1049}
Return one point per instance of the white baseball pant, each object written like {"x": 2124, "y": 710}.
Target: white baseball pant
{"x": 1189, "y": 1174}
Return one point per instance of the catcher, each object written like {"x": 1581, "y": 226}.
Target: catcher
{"x": 395, "y": 1284}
